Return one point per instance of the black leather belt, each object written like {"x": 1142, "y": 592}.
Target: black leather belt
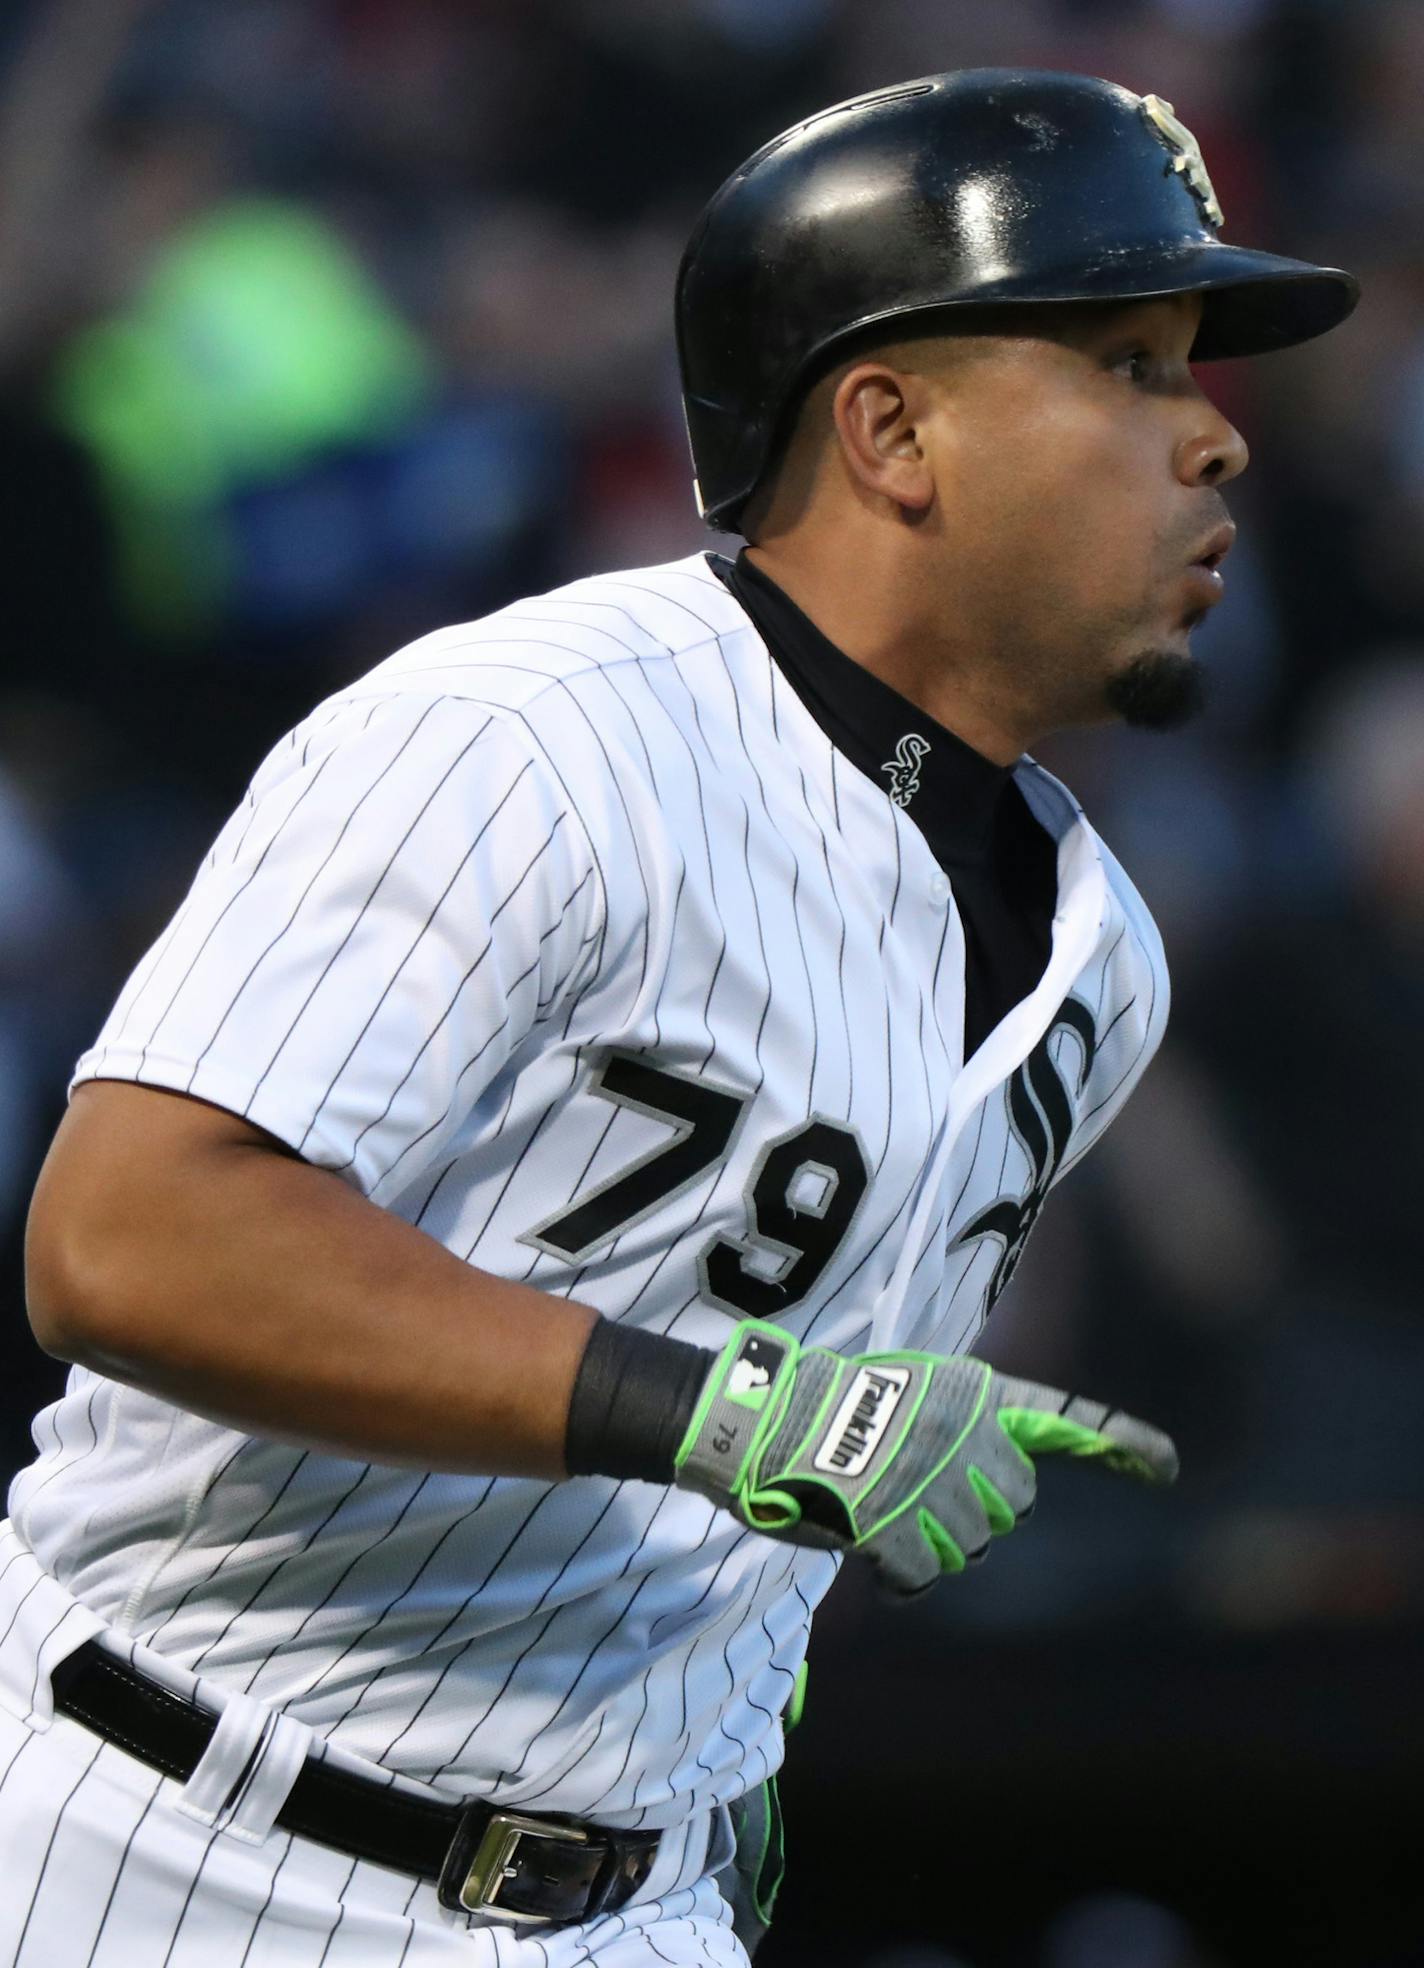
{"x": 531, "y": 1870}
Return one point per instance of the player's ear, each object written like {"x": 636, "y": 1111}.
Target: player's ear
{"x": 879, "y": 414}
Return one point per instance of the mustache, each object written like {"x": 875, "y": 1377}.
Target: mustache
{"x": 1186, "y": 542}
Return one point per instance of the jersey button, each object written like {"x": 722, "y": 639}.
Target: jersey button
{"x": 939, "y": 888}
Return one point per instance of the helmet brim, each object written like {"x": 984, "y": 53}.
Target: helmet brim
{"x": 1252, "y": 302}
{"x": 1264, "y": 302}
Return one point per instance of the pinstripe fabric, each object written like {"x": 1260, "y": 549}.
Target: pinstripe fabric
{"x": 597, "y": 823}
{"x": 105, "y": 1864}
{"x": 102, "y": 1871}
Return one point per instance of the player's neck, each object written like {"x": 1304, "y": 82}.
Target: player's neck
{"x": 863, "y": 609}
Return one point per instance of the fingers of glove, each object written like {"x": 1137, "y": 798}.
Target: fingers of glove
{"x": 1132, "y": 1447}
{"x": 1138, "y": 1449}
{"x": 953, "y": 1500}
{"x": 1029, "y": 1398}
{"x": 1000, "y": 1512}
{"x": 1000, "y": 1459}
{"x": 915, "y": 1550}
{"x": 1119, "y": 1441}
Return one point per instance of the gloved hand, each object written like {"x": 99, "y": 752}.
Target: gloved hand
{"x": 914, "y": 1460}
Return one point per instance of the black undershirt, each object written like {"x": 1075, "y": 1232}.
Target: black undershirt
{"x": 1002, "y": 864}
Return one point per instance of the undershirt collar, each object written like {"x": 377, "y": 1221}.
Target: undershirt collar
{"x": 951, "y": 792}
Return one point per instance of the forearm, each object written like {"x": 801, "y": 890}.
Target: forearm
{"x": 249, "y": 1286}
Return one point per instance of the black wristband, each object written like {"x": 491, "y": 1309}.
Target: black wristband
{"x": 633, "y": 1401}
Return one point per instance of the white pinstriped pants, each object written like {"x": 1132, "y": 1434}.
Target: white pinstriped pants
{"x": 104, "y": 1863}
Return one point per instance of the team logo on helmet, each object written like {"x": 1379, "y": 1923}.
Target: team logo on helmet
{"x": 1186, "y": 155}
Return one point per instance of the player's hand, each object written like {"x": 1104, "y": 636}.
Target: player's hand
{"x": 914, "y": 1460}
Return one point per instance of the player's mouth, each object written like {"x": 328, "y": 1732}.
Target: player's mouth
{"x": 1204, "y": 570}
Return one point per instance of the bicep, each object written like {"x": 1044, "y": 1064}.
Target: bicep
{"x": 126, "y": 1163}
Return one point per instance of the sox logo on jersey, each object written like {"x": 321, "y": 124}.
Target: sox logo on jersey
{"x": 904, "y": 768}
{"x": 1042, "y": 1107}
{"x": 569, "y": 937}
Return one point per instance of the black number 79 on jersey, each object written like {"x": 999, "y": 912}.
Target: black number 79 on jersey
{"x": 800, "y": 1198}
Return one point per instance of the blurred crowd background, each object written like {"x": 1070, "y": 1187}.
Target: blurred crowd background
{"x": 323, "y": 322}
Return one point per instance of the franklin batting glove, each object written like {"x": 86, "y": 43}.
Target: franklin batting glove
{"x": 914, "y": 1459}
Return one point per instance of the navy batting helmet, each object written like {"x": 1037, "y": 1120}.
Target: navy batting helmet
{"x": 964, "y": 190}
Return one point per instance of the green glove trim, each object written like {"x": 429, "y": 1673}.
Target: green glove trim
{"x": 769, "y": 1511}
{"x": 997, "y": 1507}
{"x": 743, "y": 1399}
{"x": 951, "y": 1558}
{"x": 796, "y": 1703}
{"x": 772, "y": 1869}
{"x": 751, "y": 1883}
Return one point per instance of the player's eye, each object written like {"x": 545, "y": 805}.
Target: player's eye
{"x": 1134, "y": 365}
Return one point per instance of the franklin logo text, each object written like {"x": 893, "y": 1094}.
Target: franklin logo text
{"x": 860, "y": 1420}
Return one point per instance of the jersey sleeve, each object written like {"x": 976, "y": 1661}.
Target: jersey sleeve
{"x": 404, "y": 893}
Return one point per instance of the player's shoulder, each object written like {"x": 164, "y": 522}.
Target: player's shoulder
{"x": 555, "y": 641}
{"x": 548, "y": 682}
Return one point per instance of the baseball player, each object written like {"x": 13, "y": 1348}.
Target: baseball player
{"x": 524, "y": 1222}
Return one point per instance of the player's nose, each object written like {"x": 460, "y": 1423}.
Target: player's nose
{"x": 1214, "y": 452}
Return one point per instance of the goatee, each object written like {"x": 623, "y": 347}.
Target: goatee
{"x": 1157, "y": 691}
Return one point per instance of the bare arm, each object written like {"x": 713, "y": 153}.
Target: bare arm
{"x": 174, "y": 1246}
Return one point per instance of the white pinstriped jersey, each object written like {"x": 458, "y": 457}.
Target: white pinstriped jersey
{"x": 569, "y": 937}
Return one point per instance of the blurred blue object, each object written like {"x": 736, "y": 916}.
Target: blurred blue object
{"x": 1119, "y": 1930}
{"x": 441, "y": 506}
{"x": 768, "y": 23}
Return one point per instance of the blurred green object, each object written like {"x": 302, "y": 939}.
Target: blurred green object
{"x": 256, "y": 343}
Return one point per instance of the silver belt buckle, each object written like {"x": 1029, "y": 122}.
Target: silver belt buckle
{"x": 491, "y": 1866}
